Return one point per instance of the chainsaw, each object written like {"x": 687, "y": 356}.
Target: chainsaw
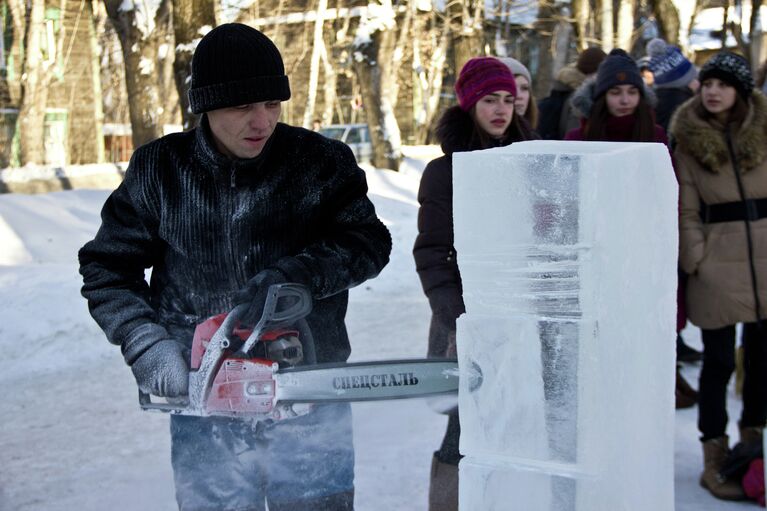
{"x": 270, "y": 371}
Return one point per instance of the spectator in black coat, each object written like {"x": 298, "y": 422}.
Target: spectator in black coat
{"x": 485, "y": 118}
{"x": 555, "y": 115}
{"x": 219, "y": 213}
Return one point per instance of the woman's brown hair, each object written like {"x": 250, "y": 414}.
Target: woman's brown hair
{"x": 516, "y": 132}
{"x": 644, "y": 128}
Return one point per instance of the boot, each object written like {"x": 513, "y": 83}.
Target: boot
{"x": 685, "y": 395}
{"x": 443, "y": 486}
{"x": 685, "y": 353}
{"x": 714, "y": 454}
{"x": 751, "y": 435}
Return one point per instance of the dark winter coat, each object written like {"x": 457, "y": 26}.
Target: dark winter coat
{"x": 555, "y": 115}
{"x": 720, "y": 290}
{"x": 206, "y": 224}
{"x": 668, "y": 101}
{"x": 619, "y": 129}
{"x": 435, "y": 255}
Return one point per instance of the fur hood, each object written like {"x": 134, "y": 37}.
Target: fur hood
{"x": 705, "y": 142}
{"x": 455, "y": 129}
{"x": 570, "y": 76}
{"x": 583, "y": 98}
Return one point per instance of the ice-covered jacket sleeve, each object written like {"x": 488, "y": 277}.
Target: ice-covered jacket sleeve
{"x": 434, "y": 252}
{"x": 354, "y": 245}
{"x": 692, "y": 239}
{"x": 112, "y": 266}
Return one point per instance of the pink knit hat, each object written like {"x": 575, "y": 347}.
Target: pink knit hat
{"x": 481, "y": 76}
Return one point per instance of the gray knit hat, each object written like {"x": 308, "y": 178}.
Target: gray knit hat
{"x": 517, "y": 68}
{"x": 235, "y": 64}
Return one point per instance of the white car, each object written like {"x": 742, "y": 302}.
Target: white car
{"x": 356, "y": 136}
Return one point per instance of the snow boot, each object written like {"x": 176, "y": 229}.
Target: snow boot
{"x": 443, "y": 486}
{"x": 751, "y": 435}
{"x": 685, "y": 395}
{"x": 685, "y": 353}
{"x": 715, "y": 453}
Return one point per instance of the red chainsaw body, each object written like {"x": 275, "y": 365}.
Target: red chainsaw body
{"x": 242, "y": 386}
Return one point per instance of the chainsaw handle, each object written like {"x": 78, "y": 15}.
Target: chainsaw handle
{"x": 273, "y": 317}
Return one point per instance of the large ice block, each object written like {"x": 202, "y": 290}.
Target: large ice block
{"x": 568, "y": 255}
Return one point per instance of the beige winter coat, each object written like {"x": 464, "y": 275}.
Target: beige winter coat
{"x": 716, "y": 255}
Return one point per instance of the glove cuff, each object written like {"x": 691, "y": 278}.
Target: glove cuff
{"x": 141, "y": 339}
{"x": 446, "y": 302}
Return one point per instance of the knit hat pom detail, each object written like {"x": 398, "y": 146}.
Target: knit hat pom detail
{"x": 656, "y": 47}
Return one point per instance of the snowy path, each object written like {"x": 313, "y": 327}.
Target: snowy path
{"x": 71, "y": 434}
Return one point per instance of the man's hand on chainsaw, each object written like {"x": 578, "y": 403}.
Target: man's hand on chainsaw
{"x": 163, "y": 370}
{"x": 255, "y": 292}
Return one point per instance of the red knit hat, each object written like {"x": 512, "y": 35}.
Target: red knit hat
{"x": 481, "y": 76}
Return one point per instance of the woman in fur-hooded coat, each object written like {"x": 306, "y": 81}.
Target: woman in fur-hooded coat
{"x": 485, "y": 84}
{"x": 721, "y": 158}
{"x": 598, "y": 123}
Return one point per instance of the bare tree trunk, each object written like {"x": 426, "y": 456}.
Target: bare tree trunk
{"x": 667, "y": 17}
{"x": 755, "y": 33}
{"x": 608, "y": 35}
{"x": 34, "y": 94}
{"x": 18, "y": 17}
{"x": 371, "y": 55}
{"x": 466, "y": 17}
{"x": 624, "y": 37}
{"x": 329, "y": 90}
{"x": 192, "y": 19}
{"x": 561, "y": 44}
{"x": 545, "y": 25}
{"x": 140, "y": 48}
{"x": 98, "y": 96}
{"x": 314, "y": 68}
{"x": 725, "y": 23}
{"x": 429, "y": 77}
{"x": 581, "y": 15}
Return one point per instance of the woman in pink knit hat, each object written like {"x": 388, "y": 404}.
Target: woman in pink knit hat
{"x": 483, "y": 118}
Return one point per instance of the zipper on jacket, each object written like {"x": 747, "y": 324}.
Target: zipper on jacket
{"x": 747, "y": 220}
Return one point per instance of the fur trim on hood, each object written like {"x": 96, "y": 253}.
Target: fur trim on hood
{"x": 571, "y": 76}
{"x": 454, "y": 130}
{"x": 706, "y": 143}
{"x": 583, "y": 98}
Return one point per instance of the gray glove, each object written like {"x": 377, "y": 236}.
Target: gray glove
{"x": 160, "y": 363}
{"x": 163, "y": 370}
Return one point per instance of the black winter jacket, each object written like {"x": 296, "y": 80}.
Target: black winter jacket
{"x": 434, "y": 253}
{"x": 668, "y": 101}
{"x": 206, "y": 224}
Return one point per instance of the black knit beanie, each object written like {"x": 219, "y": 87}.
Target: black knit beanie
{"x": 617, "y": 69}
{"x": 235, "y": 64}
{"x": 732, "y": 69}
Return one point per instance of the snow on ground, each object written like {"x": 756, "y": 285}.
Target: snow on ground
{"x": 72, "y": 435}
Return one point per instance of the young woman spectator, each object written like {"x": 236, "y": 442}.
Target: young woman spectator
{"x": 721, "y": 158}
{"x": 485, "y": 117}
{"x": 616, "y": 106}
{"x": 525, "y": 104}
